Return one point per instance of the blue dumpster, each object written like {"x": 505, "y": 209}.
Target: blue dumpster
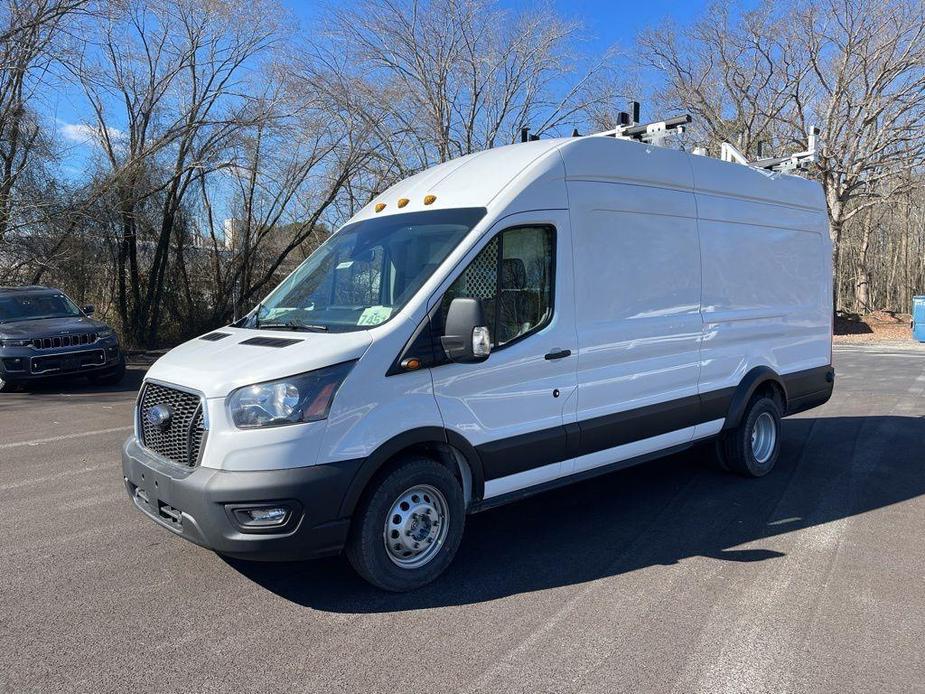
{"x": 918, "y": 318}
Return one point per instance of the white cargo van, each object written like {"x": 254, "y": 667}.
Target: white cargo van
{"x": 497, "y": 325}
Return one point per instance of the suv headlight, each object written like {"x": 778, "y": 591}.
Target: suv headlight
{"x": 104, "y": 332}
{"x": 303, "y": 398}
{"x": 7, "y": 342}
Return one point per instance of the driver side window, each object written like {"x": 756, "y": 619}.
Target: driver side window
{"x": 513, "y": 278}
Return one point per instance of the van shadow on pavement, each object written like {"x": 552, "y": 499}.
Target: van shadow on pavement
{"x": 661, "y": 512}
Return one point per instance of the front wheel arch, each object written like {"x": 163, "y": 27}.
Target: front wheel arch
{"x": 444, "y": 446}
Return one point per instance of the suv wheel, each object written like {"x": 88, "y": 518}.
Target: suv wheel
{"x": 752, "y": 448}
{"x": 409, "y": 526}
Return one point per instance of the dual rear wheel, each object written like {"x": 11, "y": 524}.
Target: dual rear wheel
{"x": 752, "y": 448}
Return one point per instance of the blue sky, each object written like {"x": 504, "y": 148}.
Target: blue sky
{"x": 608, "y": 21}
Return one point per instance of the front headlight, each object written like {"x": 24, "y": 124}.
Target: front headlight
{"x": 303, "y": 398}
{"x": 7, "y": 342}
{"x": 104, "y": 332}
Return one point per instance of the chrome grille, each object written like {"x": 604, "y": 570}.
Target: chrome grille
{"x": 64, "y": 341}
{"x": 180, "y": 441}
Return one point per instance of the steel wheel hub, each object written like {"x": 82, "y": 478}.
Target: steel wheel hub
{"x": 764, "y": 437}
{"x": 416, "y": 526}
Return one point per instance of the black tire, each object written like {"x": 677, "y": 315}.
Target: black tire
{"x": 110, "y": 378}
{"x": 366, "y": 548}
{"x": 7, "y": 386}
{"x": 735, "y": 449}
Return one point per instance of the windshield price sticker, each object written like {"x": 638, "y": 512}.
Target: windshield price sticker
{"x": 374, "y": 315}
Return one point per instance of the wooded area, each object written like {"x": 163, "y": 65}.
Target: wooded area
{"x": 219, "y": 142}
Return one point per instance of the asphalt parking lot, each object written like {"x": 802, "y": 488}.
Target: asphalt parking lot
{"x": 668, "y": 577}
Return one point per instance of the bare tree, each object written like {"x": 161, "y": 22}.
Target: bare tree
{"x": 29, "y": 34}
{"x": 854, "y": 68}
{"x": 289, "y": 169}
{"x": 165, "y": 89}
{"x": 866, "y": 89}
{"x": 454, "y": 76}
{"x": 733, "y": 71}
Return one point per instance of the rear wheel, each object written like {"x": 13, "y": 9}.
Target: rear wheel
{"x": 752, "y": 448}
{"x": 408, "y": 527}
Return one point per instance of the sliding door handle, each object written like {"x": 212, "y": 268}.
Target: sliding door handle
{"x": 559, "y": 354}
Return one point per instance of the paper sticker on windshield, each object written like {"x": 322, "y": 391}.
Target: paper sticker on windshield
{"x": 374, "y": 315}
{"x": 344, "y": 265}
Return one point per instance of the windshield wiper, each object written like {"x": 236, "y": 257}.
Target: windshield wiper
{"x": 293, "y": 325}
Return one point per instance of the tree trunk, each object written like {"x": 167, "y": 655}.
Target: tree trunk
{"x": 836, "y": 233}
{"x": 862, "y": 269}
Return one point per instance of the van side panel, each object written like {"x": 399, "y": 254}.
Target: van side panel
{"x": 637, "y": 293}
{"x": 767, "y": 289}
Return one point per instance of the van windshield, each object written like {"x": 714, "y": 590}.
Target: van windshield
{"x": 365, "y": 273}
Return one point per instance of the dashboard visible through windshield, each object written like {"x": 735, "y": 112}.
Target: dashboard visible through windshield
{"x": 365, "y": 273}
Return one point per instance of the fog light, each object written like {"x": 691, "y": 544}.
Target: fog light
{"x": 272, "y": 516}
{"x": 262, "y": 517}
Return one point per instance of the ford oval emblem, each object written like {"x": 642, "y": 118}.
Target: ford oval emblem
{"x": 159, "y": 416}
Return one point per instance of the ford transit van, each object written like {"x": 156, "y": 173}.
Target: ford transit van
{"x": 495, "y": 326}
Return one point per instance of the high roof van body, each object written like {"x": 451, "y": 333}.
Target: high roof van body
{"x": 497, "y": 325}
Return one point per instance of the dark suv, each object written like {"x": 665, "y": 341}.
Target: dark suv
{"x": 43, "y": 333}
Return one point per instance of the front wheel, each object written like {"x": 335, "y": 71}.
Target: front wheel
{"x": 752, "y": 448}
{"x": 409, "y": 526}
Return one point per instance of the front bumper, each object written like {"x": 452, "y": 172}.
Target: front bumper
{"x": 193, "y": 503}
{"x": 23, "y": 364}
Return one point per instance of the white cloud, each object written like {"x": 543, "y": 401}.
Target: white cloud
{"x": 83, "y": 134}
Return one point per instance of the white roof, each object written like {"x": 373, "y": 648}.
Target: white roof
{"x": 502, "y": 175}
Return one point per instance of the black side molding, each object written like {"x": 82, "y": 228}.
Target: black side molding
{"x": 502, "y": 457}
{"x": 803, "y": 390}
{"x": 808, "y": 389}
{"x": 519, "y": 494}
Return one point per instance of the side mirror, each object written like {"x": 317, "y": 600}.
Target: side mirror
{"x": 89, "y": 309}
{"x": 465, "y": 335}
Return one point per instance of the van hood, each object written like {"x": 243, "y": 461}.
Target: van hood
{"x": 216, "y": 367}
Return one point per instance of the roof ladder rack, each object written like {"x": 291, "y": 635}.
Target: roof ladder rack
{"x": 793, "y": 162}
{"x": 652, "y": 133}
